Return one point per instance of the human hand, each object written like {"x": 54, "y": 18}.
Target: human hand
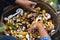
{"x": 26, "y": 4}
{"x": 36, "y": 25}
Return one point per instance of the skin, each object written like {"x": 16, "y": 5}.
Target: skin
{"x": 26, "y": 4}
{"x": 40, "y": 27}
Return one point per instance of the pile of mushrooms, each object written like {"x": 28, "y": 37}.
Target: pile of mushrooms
{"x": 19, "y": 23}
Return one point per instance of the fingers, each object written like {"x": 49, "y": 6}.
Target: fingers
{"x": 33, "y": 3}
{"x": 37, "y": 24}
{"x": 34, "y": 24}
{"x": 31, "y": 7}
{"x": 32, "y": 27}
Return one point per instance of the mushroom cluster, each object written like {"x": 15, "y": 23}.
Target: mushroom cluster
{"x": 18, "y": 23}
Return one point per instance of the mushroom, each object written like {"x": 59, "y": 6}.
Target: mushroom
{"x": 20, "y": 11}
{"x": 43, "y": 12}
{"x": 27, "y": 36}
{"x": 21, "y": 36}
{"x": 47, "y": 16}
{"x": 22, "y": 20}
{"x": 39, "y": 18}
{"x": 23, "y": 28}
{"x": 52, "y": 32}
{"x": 38, "y": 9}
{"x": 30, "y": 15}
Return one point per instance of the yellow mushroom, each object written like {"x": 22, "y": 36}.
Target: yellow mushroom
{"x": 49, "y": 28}
{"x": 43, "y": 12}
{"x": 10, "y": 27}
{"x": 50, "y": 25}
{"x": 24, "y": 39}
{"x": 17, "y": 26}
{"x": 29, "y": 25}
{"x": 23, "y": 33}
{"x": 50, "y": 21}
{"x": 11, "y": 21}
{"x": 38, "y": 9}
{"x": 23, "y": 22}
{"x": 18, "y": 16}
